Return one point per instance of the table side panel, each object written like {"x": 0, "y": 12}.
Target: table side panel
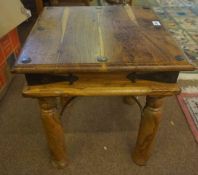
{"x": 101, "y": 84}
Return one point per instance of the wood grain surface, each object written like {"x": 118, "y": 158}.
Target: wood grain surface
{"x": 39, "y": 6}
{"x": 70, "y": 39}
{"x": 102, "y": 85}
{"x": 149, "y": 124}
{"x": 54, "y": 131}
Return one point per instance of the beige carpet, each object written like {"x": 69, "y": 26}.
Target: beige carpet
{"x": 100, "y": 133}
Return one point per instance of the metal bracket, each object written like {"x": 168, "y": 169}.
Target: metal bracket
{"x": 132, "y": 77}
{"x": 71, "y": 78}
{"x": 164, "y": 77}
{"x": 36, "y": 79}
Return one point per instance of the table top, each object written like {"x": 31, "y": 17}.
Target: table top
{"x": 99, "y": 39}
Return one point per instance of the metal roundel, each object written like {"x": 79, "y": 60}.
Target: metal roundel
{"x": 101, "y": 59}
{"x": 179, "y": 57}
{"x": 26, "y": 60}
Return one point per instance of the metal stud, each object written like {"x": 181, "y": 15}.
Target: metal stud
{"x": 179, "y": 57}
{"x": 101, "y": 59}
{"x": 26, "y": 60}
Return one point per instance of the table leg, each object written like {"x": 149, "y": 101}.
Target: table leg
{"x": 87, "y": 2}
{"x": 54, "y": 2}
{"x": 39, "y": 6}
{"x": 150, "y": 120}
{"x": 54, "y": 130}
{"x": 130, "y": 2}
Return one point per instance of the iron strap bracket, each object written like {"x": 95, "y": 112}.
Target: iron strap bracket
{"x": 164, "y": 77}
{"x": 36, "y": 79}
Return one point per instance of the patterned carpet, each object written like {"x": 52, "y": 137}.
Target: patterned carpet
{"x": 181, "y": 18}
{"x": 189, "y": 106}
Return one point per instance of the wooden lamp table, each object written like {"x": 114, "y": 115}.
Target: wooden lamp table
{"x": 100, "y": 51}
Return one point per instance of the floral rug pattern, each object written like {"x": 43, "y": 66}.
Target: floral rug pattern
{"x": 181, "y": 19}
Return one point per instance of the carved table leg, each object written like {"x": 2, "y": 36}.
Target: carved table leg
{"x": 39, "y": 6}
{"x": 148, "y": 127}
{"x": 87, "y": 3}
{"x": 54, "y": 2}
{"x": 54, "y": 130}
